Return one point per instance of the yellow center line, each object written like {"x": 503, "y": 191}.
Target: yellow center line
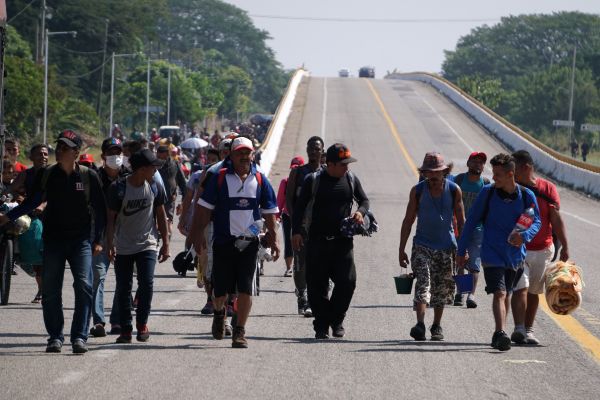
{"x": 393, "y": 129}
{"x": 584, "y": 338}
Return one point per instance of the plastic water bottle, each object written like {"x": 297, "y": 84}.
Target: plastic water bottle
{"x": 252, "y": 231}
{"x": 525, "y": 220}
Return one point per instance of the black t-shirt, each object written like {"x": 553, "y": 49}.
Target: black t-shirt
{"x": 333, "y": 201}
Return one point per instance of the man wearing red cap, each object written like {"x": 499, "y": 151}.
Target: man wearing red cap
{"x": 470, "y": 184}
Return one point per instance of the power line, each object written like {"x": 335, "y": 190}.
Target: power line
{"x": 87, "y": 73}
{"x": 76, "y": 51}
{"x": 376, "y": 20}
{"x": 21, "y": 12}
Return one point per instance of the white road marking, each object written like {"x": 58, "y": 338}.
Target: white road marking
{"x": 323, "y": 117}
{"x": 104, "y": 353}
{"x": 70, "y": 377}
{"x": 577, "y": 217}
{"x": 170, "y": 302}
{"x": 525, "y": 361}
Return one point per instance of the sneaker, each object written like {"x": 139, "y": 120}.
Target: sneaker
{"x": 115, "y": 329}
{"x": 518, "y": 336}
{"x": 79, "y": 346}
{"x": 417, "y": 332}
{"x": 288, "y": 272}
{"x": 321, "y": 335}
{"x": 143, "y": 334}
{"x": 302, "y": 304}
{"x": 98, "y": 330}
{"x": 437, "y": 334}
{"x": 228, "y": 328}
{"x": 308, "y": 312}
{"x": 218, "y": 325}
{"x": 124, "y": 337}
{"x": 337, "y": 330}
{"x": 501, "y": 341}
{"x": 208, "y": 308}
{"x": 471, "y": 303}
{"x": 54, "y": 346}
{"x": 37, "y": 299}
{"x": 530, "y": 338}
{"x": 458, "y": 299}
{"x": 238, "y": 340}
{"x": 261, "y": 271}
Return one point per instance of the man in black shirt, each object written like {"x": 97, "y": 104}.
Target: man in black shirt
{"x": 314, "y": 150}
{"x": 325, "y": 200}
{"x": 70, "y": 191}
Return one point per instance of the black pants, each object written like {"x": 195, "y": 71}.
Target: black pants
{"x": 330, "y": 259}
{"x": 287, "y": 235}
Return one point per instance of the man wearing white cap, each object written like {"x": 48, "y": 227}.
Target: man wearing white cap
{"x": 239, "y": 197}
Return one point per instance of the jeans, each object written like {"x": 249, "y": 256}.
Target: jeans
{"x": 330, "y": 259}
{"x": 78, "y": 253}
{"x": 145, "y": 262}
{"x": 100, "y": 265}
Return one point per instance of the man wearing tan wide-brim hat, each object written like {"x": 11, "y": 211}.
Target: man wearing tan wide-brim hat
{"x": 432, "y": 202}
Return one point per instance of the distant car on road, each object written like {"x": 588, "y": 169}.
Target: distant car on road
{"x": 344, "y": 73}
{"x": 366, "y": 72}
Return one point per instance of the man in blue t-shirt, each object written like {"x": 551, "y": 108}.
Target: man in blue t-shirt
{"x": 470, "y": 184}
{"x": 498, "y": 207}
{"x": 433, "y": 202}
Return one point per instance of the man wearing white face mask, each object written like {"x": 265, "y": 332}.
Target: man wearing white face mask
{"x": 113, "y": 169}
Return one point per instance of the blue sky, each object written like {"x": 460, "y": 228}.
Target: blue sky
{"x": 326, "y": 46}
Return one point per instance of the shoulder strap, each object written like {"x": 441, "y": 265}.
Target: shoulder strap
{"x": 458, "y": 179}
{"x": 307, "y": 221}
{"x": 419, "y": 191}
{"x": 221, "y": 177}
{"x": 486, "y": 206}
{"x": 259, "y": 182}
{"x": 543, "y": 196}
{"x": 85, "y": 179}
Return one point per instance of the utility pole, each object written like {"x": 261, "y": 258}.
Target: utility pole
{"x": 148, "y": 97}
{"x": 572, "y": 93}
{"x": 169, "y": 97}
{"x": 102, "y": 77}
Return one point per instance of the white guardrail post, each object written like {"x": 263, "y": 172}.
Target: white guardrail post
{"x": 572, "y": 173}
{"x": 270, "y": 146}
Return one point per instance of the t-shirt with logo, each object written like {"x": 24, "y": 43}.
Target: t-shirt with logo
{"x": 135, "y": 227}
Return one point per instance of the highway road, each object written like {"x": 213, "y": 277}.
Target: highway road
{"x": 388, "y": 125}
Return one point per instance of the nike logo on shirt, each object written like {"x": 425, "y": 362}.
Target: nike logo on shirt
{"x": 135, "y": 206}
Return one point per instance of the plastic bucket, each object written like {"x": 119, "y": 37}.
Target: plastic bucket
{"x": 464, "y": 283}
{"x": 404, "y": 284}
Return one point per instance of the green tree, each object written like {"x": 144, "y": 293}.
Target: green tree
{"x": 487, "y": 91}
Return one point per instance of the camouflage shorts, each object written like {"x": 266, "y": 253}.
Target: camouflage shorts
{"x": 433, "y": 270}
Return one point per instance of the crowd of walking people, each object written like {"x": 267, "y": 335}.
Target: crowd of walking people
{"x": 122, "y": 213}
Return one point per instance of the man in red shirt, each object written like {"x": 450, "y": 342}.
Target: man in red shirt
{"x": 541, "y": 249}
{"x": 11, "y": 151}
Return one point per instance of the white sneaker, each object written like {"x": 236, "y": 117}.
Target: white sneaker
{"x": 530, "y": 338}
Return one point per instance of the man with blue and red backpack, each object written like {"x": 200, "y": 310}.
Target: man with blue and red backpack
{"x": 239, "y": 196}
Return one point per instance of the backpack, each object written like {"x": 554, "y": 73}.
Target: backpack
{"x": 419, "y": 192}
{"x": 85, "y": 180}
{"x": 121, "y": 184}
{"x": 555, "y": 240}
{"x": 307, "y": 221}
{"x": 221, "y": 180}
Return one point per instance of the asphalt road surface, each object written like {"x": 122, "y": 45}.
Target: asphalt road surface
{"x": 388, "y": 126}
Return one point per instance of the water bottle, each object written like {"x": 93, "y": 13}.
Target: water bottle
{"x": 525, "y": 220}
{"x": 252, "y": 231}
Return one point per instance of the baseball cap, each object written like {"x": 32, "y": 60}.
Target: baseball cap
{"x": 86, "y": 158}
{"x": 144, "y": 158}
{"x": 111, "y": 142}
{"x": 297, "y": 162}
{"x": 241, "y": 143}
{"x": 339, "y": 153}
{"x": 225, "y": 144}
{"x": 479, "y": 154}
{"x": 70, "y": 138}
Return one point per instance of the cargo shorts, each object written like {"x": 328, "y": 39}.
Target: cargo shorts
{"x": 433, "y": 272}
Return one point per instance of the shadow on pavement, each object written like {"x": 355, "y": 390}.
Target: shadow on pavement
{"x": 430, "y": 347}
{"x": 382, "y": 306}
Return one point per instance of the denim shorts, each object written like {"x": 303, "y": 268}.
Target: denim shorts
{"x": 501, "y": 279}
